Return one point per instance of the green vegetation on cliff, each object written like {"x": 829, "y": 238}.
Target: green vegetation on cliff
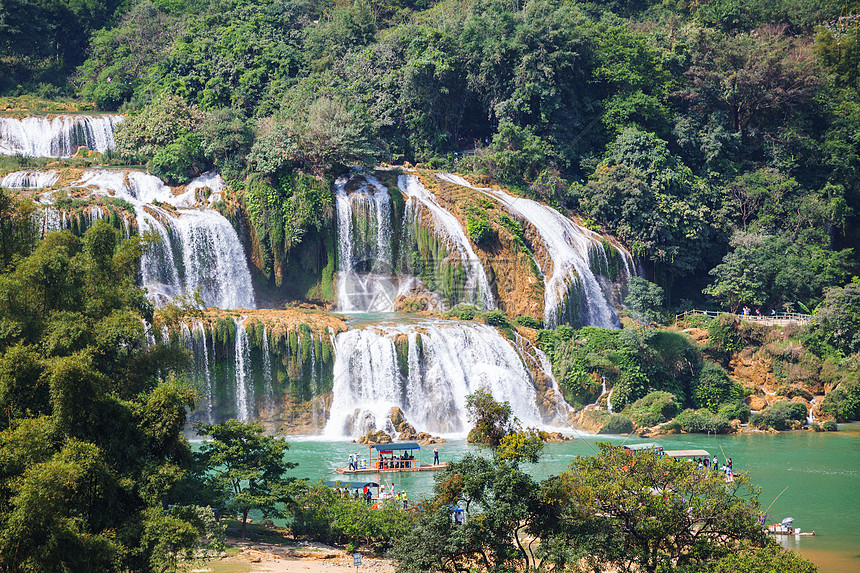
{"x": 716, "y": 141}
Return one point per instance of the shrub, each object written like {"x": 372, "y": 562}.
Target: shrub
{"x": 843, "y": 402}
{"x": 702, "y": 421}
{"x": 617, "y": 424}
{"x": 697, "y": 320}
{"x": 528, "y": 322}
{"x": 737, "y": 411}
{"x": 498, "y": 319}
{"x": 723, "y": 338}
{"x": 463, "y": 312}
{"x": 480, "y": 231}
{"x": 179, "y": 161}
{"x": 655, "y": 408}
{"x": 779, "y": 416}
{"x": 713, "y": 387}
{"x": 830, "y": 426}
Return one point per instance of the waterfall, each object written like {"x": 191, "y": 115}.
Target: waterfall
{"x": 810, "y": 417}
{"x": 478, "y": 289}
{"x": 30, "y": 179}
{"x": 244, "y": 383}
{"x": 609, "y": 401}
{"x": 444, "y": 362}
{"x": 57, "y": 137}
{"x": 568, "y": 246}
{"x": 269, "y": 391}
{"x": 368, "y": 280}
{"x": 203, "y": 366}
{"x": 364, "y": 232}
{"x": 198, "y": 249}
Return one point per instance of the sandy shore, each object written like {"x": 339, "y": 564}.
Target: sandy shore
{"x": 306, "y": 557}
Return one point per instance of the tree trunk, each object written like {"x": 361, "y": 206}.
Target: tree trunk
{"x": 244, "y": 520}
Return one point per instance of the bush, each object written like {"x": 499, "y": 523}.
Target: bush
{"x": 779, "y": 416}
{"x": 617, "y": 424}
{"x": 480, "y": 231}
{"x": 702, "y": 421}
{"x": 179, "y": 161}
{"x": 830, "y": 426}
{"x": 496, "y": 318}
{"x": 738, "y": 411}
{"x": 713, "y": 388}
{"x": 655, "y": 408}
{"x": 528, "y": 322}
{"x": 723, "y": 338}
{"x": 843, "y": 402}
{"x": 463, "y": 312}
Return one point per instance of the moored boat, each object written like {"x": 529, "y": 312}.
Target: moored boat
{"x": 786, "y": 527}
{"x": 385, "y": 458}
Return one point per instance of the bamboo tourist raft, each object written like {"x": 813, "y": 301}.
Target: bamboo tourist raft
{"x": 391, "y": 458}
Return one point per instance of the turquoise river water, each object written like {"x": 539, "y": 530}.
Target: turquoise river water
{"x": 820, "y": 470}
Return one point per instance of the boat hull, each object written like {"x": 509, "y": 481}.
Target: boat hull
{"x": 430, "y": 468}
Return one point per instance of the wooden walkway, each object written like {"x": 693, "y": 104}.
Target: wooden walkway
{"x": 782, "y": 319}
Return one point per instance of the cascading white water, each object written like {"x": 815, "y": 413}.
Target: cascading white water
{"x": 57, "y": 137}
{"x": 198, "y": 247}
{"x": 269, "y": 391}
{"x": 568, "y": 245}
{"x": 208, "y": 393}
{"x": 30, "y": 179}
{"x": 244, "y": 384}
{"x": 365, "y": 267}
{"x": 452, "y": 360}
{"x": 478, "y": 289}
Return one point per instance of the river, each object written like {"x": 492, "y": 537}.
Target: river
{"x": 820, "y": 470}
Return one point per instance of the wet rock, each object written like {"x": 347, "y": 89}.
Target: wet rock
{"x": 375, "y": 437}
{"x": 426, "y": 439}
{"x": 554, "y": 437}
{"x": 757, "y": 402}
{"x": 396, "y": 416}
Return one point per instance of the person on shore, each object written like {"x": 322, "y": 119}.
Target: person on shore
{"x": 435, "y": 456}
{"x": 758, "y": 311}
{"x": 404, "y": 499}
{"x": 715, "y": 463}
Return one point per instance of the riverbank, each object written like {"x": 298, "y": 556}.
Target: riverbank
{"x": 307, "y": 557}
{"x": 820, "y": 470}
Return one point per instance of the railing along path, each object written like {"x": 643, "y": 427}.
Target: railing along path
{"x": 781, "y": 319}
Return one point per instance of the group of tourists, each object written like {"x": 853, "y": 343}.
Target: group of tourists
{"x": 395, "y": 463}
{"x": 355, "y": 461}
{"x": 392, "y": 495}
{"x": 747, "y": 311}
{"x": 704, "y": 462}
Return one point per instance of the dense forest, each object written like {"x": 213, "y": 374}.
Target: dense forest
{"x": 716, "y": 140}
